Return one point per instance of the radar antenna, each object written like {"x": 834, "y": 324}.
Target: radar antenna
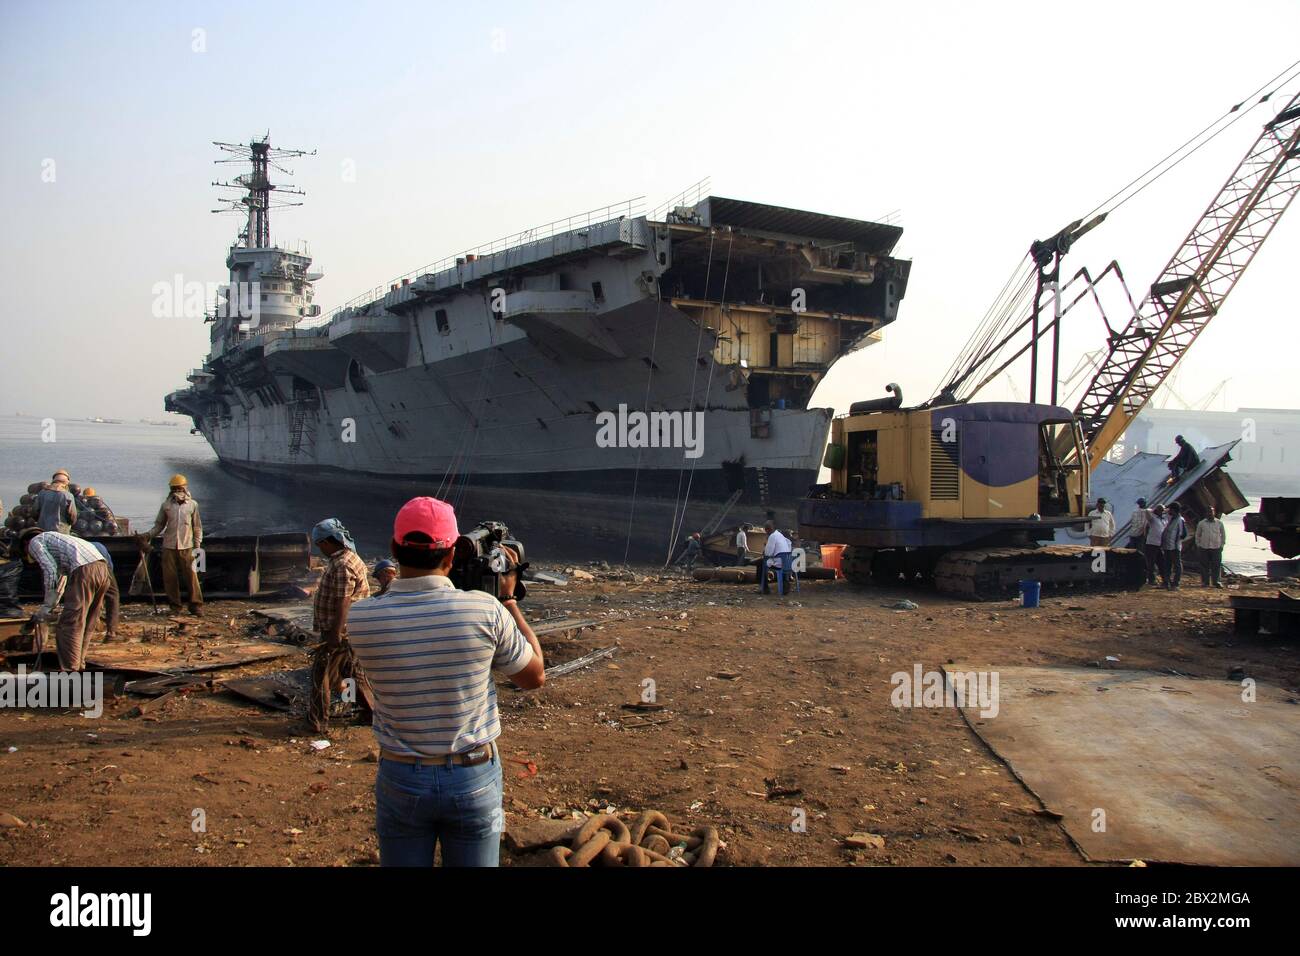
{"x": 256, "y": 203}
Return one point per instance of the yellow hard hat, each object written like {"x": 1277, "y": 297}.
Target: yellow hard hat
{"x": 61, "y": 471}
{"x": 178, "y": 481}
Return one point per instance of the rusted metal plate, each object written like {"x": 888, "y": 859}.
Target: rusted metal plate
{"x": 188, "y": 656}
{"x": 1177, "y": 770}
{"x": 283, "y": 690}
{"x": 165, "y": 685}
{"x": 293, "y": 622}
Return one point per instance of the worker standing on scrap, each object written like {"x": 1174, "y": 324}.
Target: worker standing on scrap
{"x": 1171, "y": 542}
{"x": 1155, "y": 525}
{"x": 345, "y": 580}
{"x": 65, "y": 559}
{"x": 385, "y": 574}
{"x": 1210, "y": 538}
{"x": 57, "y": 510}
{"x": 430, "y": 650}
{"x": 1102, "y": 528}
{"x": 778, "y": 552}
{"x": 742, "y": 545}
{"x": 182, "y": 530}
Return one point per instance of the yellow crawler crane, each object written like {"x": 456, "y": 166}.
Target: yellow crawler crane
{"x": 966, "y": 494}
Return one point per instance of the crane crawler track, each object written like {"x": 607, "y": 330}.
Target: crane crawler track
{"x": 995, "y": 573}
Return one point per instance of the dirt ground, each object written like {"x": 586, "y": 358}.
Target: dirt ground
{"x": 773, "y": 709}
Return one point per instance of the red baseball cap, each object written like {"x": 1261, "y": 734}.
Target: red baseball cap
{"x": 427, "y": 516}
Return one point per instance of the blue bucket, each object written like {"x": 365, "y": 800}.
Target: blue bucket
{"x": 1029, "y": 591}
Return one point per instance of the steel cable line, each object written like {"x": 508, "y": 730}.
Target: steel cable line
{"x": 708, "y": 277}
{"x": 722, "y": 304}
{"x": 636, "y": 475}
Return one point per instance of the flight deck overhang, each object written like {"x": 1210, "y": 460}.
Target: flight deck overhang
{"x": 564, "y": 320}
{"x": 381, "y": 343}
{"x": 311, "y": 357}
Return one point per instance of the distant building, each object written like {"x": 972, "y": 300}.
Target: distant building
{"x": 1267, "y": 462}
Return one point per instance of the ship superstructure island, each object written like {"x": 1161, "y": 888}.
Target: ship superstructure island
{"x": 492, "y": 370}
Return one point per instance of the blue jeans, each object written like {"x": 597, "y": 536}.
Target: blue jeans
{"x": 416, "y": 808}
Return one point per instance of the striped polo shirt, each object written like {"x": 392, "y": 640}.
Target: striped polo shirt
{"x": 429, "y": 651}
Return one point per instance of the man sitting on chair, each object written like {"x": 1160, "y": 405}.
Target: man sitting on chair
{"x": 777, "y": 554}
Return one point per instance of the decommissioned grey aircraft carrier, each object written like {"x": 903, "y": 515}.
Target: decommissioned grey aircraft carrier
{"x": 492, "y": 377}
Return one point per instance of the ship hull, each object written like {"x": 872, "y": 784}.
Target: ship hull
{"x": 611, "y": 515}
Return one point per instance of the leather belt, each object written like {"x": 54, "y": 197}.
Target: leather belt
{"x": 469, "y": 758}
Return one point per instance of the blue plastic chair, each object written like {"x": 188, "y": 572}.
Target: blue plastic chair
{"x": 786, "y": 570}
{"x": 783, "y": 571}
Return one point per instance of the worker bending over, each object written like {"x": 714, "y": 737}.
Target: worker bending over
{"x": 74, "y": 568}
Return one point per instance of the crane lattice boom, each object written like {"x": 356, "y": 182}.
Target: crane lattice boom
{"x": 1193, "y": 286}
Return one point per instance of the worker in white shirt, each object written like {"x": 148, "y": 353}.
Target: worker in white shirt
{"x": 1137, "y": 525}
{"x": 1210, "y": 538}
{"x": 1155, "y": 557}
{"x": 777, "y": 553}
{"x": 1102, "y": 527}
{"x": 742, "y": 545}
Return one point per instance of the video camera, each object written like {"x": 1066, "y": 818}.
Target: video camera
{"x": 478, "y": 561}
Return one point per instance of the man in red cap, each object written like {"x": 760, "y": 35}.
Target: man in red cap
{"x": 429, "y": 651}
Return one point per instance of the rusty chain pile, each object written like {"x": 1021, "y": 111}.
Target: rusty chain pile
{"x": 606, "y": 840}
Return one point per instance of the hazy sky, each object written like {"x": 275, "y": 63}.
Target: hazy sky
{"x": 987, "y": 125}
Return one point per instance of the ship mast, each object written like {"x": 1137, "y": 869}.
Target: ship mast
{"x": 257, "y": 187}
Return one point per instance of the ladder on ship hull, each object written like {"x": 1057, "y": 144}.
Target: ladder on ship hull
{"x": 716, "y": 521}
{"x": 302, "y": 431}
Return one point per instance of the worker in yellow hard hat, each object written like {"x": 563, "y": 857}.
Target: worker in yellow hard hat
{"x": 182, "y": 535}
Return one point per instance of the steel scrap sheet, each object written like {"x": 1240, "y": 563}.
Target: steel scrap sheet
{"x": 1144, "y": 766}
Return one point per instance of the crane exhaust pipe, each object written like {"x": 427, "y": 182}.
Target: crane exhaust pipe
{"x": 880, "y": 404}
